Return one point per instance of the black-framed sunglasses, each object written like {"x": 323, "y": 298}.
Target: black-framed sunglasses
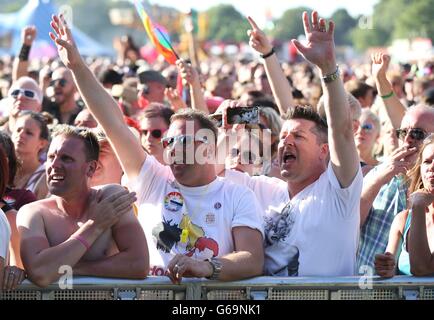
{"x": 30, "y": 94}
{"x": 156, "y": 133}
{"x": 183, "y": 139}
{"x": 62, "y": 82}
{"x": 415, "y": 133}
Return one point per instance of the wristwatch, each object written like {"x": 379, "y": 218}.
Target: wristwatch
{"x": 332, "y": 77}
{"x": 216, "y": 268}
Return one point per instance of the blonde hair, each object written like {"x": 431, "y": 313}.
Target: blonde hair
{"x": 413, "y": 176}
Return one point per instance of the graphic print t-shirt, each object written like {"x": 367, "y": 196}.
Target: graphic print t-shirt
{"x": 193, "y": 221}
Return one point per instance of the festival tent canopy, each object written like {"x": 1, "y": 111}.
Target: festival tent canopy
{"x": 38, "y": 13}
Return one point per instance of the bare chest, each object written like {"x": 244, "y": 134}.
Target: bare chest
{"x": 59, "y": 228}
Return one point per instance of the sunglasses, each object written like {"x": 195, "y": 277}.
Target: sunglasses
{"x": 62, "y": 82}
{"x": 367, "y": 126}
{"x": 156, "y": 133}
{"x": 30, "y": 94}
{"x": 183, "y": 139}
{"x": 415, "y": 133}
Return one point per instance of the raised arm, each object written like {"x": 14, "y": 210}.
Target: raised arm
{"x": 421, "y": 257}
{"x": 191, "y": 76}
{"x": 320, "y": 50}
{"x": 394, "y": 108}
{"x": 282, "y": 91}
{"x": 20, "y": 65}
{"x": 100, "y": 103}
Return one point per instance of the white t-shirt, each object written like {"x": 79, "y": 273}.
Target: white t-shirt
{"x": 318, "y": 234}
{"x": 209, "y": 213}
{"x": 5, "y": 235}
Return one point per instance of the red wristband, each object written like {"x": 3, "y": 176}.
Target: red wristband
{"x": 82, "y": 240}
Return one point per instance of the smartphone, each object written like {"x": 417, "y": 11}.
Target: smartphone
{"x": 243, "y": 115}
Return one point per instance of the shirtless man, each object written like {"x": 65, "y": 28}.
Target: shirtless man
{"x": 93, "y": 231}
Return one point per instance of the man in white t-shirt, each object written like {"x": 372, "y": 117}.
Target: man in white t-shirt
{"x": 312, "y": 220}
{"x": 196, "y": 224}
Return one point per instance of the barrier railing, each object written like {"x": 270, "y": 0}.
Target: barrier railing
{"x": 261, "y": 288}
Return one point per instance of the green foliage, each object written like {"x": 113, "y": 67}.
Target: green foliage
{"x": 226, "y": 24}
{"x": 290, "y": 26}
{"x": 344, "y": 24}
{"x": 416, "y": 21}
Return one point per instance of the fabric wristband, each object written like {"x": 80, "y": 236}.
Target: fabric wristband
{"x": 269, "y": 54}
{"x": 24, "y": 52}
{"x": 82, "y": 240}
{"x": 387, "y": 96}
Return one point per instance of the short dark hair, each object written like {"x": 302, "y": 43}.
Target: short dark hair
{"x": 358, "y": 88}
{"x": 155, "y": 110}
{"x": 90, "y": 141}
{"x": 197, "y": 116}
{"x": 7, "y": 146}
{"x": 309, "y": 113}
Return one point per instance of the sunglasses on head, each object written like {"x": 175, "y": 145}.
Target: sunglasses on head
{"x": 183, "y": 139}
{"x": 156, "y": 133}
{"x": 415, "y": 133}
{"x": 367, "y": 126}
{"x": 30, "y": 94}
{"x": 62, "y": 82}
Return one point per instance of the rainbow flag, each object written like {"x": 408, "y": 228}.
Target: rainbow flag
{"x": 157, "y": 34}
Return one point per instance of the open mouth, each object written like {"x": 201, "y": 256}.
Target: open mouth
{"x": 57, "y": 177}
{"x": 288, "y": 157}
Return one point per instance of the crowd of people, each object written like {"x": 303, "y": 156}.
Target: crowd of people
{"x": 114, "y": 169}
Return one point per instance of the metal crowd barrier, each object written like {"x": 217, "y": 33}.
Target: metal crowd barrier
{"x": 261, "y": 288}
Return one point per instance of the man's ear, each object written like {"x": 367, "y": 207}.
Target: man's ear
{"x": 91, "y": 168}
{"x": 324, "y": 151}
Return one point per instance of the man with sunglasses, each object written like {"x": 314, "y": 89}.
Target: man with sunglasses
{"x": 64, "y": 106}
{"x": 197, "y": 224}
{"x": 384, "y": 192}
{"x": 24, "y": 94}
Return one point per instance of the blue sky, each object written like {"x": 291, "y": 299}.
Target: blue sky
{"x": 257, "y": 8}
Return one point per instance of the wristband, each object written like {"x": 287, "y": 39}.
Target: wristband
{"x": 269, "y": 54}
{"x": 24, "y": 52}
{"x": 82, "y": 241}
{"x": 387, "y": 96}
{"x": 331, "y": 77}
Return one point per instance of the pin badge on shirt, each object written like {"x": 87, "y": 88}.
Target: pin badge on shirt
{"x": 210, "y": 218}
{"x": 217, "y": 205}
{"x": 173, "y": 201}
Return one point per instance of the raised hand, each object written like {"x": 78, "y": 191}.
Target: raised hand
{"x": 380, "y": 64}
{"x": 257, "y": 38}
{"x": 320, "y": 48}
{"x": 397, "y": 162}
{"x": 28, "y": 35}
{"x": 175, "y": 100}
{"x": 188, "y": 72}
{"x": 66, "y": 47}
